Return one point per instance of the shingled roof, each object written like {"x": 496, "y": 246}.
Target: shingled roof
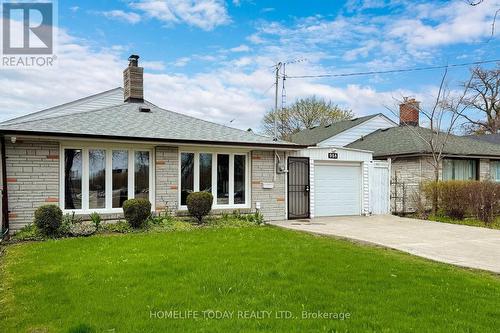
{"x": 313, "y": 136}
{"x": 105, "y": 115}
{"x": 492, "y": 138}
{"x": 410, "y": 140}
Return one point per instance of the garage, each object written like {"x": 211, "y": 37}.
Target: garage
{"x": 336, "y": 181}
{"x": 337, "y": 189}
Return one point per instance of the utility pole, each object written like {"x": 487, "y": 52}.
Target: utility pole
{"x": 278, "y": 66}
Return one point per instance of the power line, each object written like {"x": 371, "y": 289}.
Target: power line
{"x": 391, "y": 71}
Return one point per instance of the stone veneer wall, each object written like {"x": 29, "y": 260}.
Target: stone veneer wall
{"x": 32, "y": 178}
{"x": 484, "y": 169}
{"x": 413, "y": 171}
{"x": 272, "y": 201}
{"x": 166, "y": 178}
{"x": 407, "y": 174}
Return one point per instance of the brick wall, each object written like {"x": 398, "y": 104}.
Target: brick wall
{"x": 166, "y": 178}
{"x": 272, "y": 201}
{"x": 32, "y": 178}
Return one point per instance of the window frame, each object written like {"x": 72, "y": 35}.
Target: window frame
{"x": 451, "y": 159}
{"x": 494, "y": 164}
{"x": 196, "y": 182}
{"x": 108, "y": 148}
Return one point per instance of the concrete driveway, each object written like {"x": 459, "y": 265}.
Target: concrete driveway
{"x": 450, "y": 243}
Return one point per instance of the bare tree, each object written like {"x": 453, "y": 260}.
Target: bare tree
{"x": 483, "y": 98}
{"x": 304, "y": 113}
{"x": 442, "y": 117}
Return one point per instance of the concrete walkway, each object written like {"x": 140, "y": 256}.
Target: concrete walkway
{"x": 450, "y": 243}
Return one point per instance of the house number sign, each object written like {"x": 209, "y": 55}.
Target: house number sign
{"x": 333, "y": 155}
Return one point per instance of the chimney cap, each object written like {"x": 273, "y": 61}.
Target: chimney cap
{"x": 133, "y": 60}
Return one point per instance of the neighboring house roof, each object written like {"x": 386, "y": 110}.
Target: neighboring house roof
{"x": 126, "y": 121}
{"x": 315, "y": 135}
{"x": 410, "y": 140}
{"x": 492, "y": 138}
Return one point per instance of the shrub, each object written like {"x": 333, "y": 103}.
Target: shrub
{"x": 48, "y": 219}
{"x": 456, "y": 199}
{"x": 68, "y": 222}
{"x": 136, "y": 212}
{"x": 484, "y": 198}
{"x": 199, "y": 204}
{"x": 28, "y": 233}
{"x": 96, "y": 220}
{"x": 121, "y": 227}
{"x": 453, "y": 197}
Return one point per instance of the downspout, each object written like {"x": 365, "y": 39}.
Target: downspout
{"x": 5, "y": 196}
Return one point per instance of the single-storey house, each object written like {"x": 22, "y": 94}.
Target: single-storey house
{"x": 92, "y": 154}
{"x": 405, "y": 146}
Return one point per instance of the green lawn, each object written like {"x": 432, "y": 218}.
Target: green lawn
{"x": 495, "y": 224}
{"x": 118, "y": 283}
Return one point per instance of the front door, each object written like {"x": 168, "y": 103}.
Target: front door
{"x": 298, "y": 188}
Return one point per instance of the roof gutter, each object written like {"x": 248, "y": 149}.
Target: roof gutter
{"x": 155, "y": 140}
{"x": 5, "y": 195}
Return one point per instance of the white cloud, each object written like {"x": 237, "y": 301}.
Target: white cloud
{"x": 129, "y": 17}
{"x": 241, "y": 48}
{"x": 267, "y": 10}
{"x": 219, "y": 95}
{"x": 239, "y": 85}
{"x": 204, "y": 14}
{"x": 413, "y": 32}
{"x": 454, "y": 22}
{"x": 154, "y": 65}
{"x": 181, "y": 62}
{"x": 74, "y": 9}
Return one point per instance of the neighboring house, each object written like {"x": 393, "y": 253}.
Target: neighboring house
{"x": 94, "y": 153}
{"x": 342, "y": 133}
{"x": 491, "y": 138}
{"x": 409, "y": 153}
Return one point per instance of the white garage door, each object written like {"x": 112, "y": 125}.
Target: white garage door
{"x": 337, "y": 189}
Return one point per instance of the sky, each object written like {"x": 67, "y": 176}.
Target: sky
{"x": 215, "y": 59}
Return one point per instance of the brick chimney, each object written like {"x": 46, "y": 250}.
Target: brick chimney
{"x": 409, "y": 112}
{"x": 133, "y": 81}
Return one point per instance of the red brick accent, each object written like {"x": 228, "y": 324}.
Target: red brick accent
{"x": 256, "y": 157}
{"x": 12, "y": 215}
{"x": 52, "y": 200}
{"x": 409, "y": 112}
{"x": 11, "y": 180}
{"x": 53, "y": 157}
{"x": 160, "y": 162}
{"x": 280, "y": 199}
{"x": 173, "y": 187}
{"x": 256, "y": 182}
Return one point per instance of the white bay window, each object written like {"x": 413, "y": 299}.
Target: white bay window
{"x": 225, "y": 175}
{"x": 101, "y": 179}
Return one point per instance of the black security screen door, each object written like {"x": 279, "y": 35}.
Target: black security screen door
{"x": 298, "y": 187}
